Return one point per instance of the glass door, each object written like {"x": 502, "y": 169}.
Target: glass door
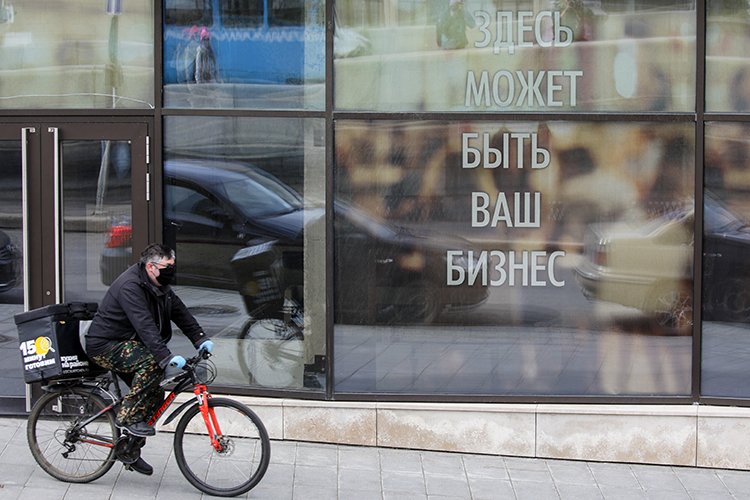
{"x": 75, "y": 199}
{"x": 13, "y": 291}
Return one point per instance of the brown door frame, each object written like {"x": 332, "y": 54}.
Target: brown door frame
{"x": 104, "y": 129}
{"x": 39, "y": 177}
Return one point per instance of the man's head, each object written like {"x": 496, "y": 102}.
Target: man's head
{"x": 158, "y": 260}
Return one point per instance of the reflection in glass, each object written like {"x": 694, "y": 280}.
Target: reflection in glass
{"x": 238, "y": 210}
{"x": 727, "y": 38}
{"x": 725, "y": 347}
{"x": 11, "y": 274}
{"x": 504, "y": 56}
{"x": 96, "y": 215}
{"x": 244, "y": 54}
{"x": 57, "y": 56}
{"x": 513, "y": 258}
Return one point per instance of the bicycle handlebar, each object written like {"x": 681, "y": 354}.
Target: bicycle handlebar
{"x": 202, "y": 354}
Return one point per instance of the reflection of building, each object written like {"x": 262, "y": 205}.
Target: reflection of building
{"x": 475, "y": 165}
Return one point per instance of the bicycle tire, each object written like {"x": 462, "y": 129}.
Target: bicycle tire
{"x": 78, "y": 457}
{"x": 255, "y": 356}
{"x": 241, "y": 464}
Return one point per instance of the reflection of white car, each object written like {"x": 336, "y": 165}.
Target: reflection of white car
{"x": 646, "y": 267}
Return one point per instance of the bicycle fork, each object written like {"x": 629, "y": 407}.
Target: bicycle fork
{"x": 209, "y": 416}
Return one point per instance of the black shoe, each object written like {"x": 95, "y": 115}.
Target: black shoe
{"x": 141, "y": 466}
{"x": 140, "y": 429}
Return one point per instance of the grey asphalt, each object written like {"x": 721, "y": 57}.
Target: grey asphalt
{"x": 309, "y": 471}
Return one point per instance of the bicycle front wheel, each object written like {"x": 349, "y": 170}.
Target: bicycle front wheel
{"x": 62, "y": 449}
{"x": 241, "y": 456}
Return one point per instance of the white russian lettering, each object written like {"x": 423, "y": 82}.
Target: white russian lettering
{"x": 536, "y": 151}
{"x": 499, "y": 267}
{"x": 527, "y": 221}
{"x": 477, "y": 92}
{"x": 551, "y": 268}
{"x": 559, "y": 30}
{"x": 479, "y": 204}
{"x": 573, "y": 87}
{"x": 532, "y": 265}
{"x": 522, "y": 28}
{"x": 481, "y": 265}
{"x": 466, "y": 150}
{"x": 489, "y": 152}
{"x": 538, "y": 27}
{"x": 507, "y": 18}
{"x": 451, "y": 268}
{"x": 485, "y": 20}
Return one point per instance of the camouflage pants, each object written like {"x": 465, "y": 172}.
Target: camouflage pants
{"x": 137, "y": 367}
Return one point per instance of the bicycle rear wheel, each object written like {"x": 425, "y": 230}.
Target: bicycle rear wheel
{"x": 244, "y": 452}
{"x": 69, "y": 454}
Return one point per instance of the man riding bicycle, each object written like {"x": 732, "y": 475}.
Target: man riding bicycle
{"x": 130, "y": 332}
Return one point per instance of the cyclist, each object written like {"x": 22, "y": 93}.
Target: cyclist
{"x": 129, "y": 335}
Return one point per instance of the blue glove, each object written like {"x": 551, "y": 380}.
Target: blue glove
{"x": 177, "y": 362}
{"x": 207, "y": 345}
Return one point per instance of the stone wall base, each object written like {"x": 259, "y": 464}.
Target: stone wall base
{"x": 698, "y": 436}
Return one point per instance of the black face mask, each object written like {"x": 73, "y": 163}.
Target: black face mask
{"x": 166, "y": 275}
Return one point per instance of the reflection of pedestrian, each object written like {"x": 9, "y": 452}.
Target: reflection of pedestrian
{"x": 205, "y": 61}
{"x": 451, "y": 26}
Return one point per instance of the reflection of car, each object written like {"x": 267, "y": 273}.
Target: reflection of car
{"x": 10, "y": 263}
{"x": 726, "y": 269}
{"x": 389, "y": 273}
{"x": 212, "y": 209}
{"x": 237, "y": 227}
{"x": 650, "y": 267}
{"x": 646, "y": 267}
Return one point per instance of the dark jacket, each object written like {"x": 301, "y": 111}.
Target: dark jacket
{"x": 135, "y": 308}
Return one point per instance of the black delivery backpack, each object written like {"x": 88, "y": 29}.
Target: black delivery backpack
{"x": 50, "y": 343}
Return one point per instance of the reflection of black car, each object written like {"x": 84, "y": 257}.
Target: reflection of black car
{"x": 726, "y": 267}
{"x": 213, "y": 209}
{"x": 10, "y": 263}
{"x": 237, "y": 227}
{"x": 389, "y": 273}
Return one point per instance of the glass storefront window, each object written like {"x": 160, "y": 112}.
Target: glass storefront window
{"x": 513, "y": 258}
{"x": 727, "y": 56}
{"x": 477, "y": 55}
{"x": 83, "y": 55}
{"x": 726, "y": 274}
{"x": 243, "y": 209}
{"x": 244, "y": 54}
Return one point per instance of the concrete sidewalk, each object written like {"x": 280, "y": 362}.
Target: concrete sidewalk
{"x": 317, "y": 471}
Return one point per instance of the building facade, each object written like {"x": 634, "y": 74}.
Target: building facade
{"x": 513, "y": 227}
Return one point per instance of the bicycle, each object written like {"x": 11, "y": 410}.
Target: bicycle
{"x": 221, "y": 446}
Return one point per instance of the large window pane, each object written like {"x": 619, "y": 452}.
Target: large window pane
{"x": 58, "y": 54}
{"x": 727, "y": 56}
{"x": 243, "y": 211}
{"x": 479, "y": 55}
{"x": 244, "y": 54}
{"x": 513, "y": 258}
{"x": 726, "y": 273}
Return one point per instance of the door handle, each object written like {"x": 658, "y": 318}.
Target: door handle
{"x": 56, "y": 200}
{"x": 25, "y": 131}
